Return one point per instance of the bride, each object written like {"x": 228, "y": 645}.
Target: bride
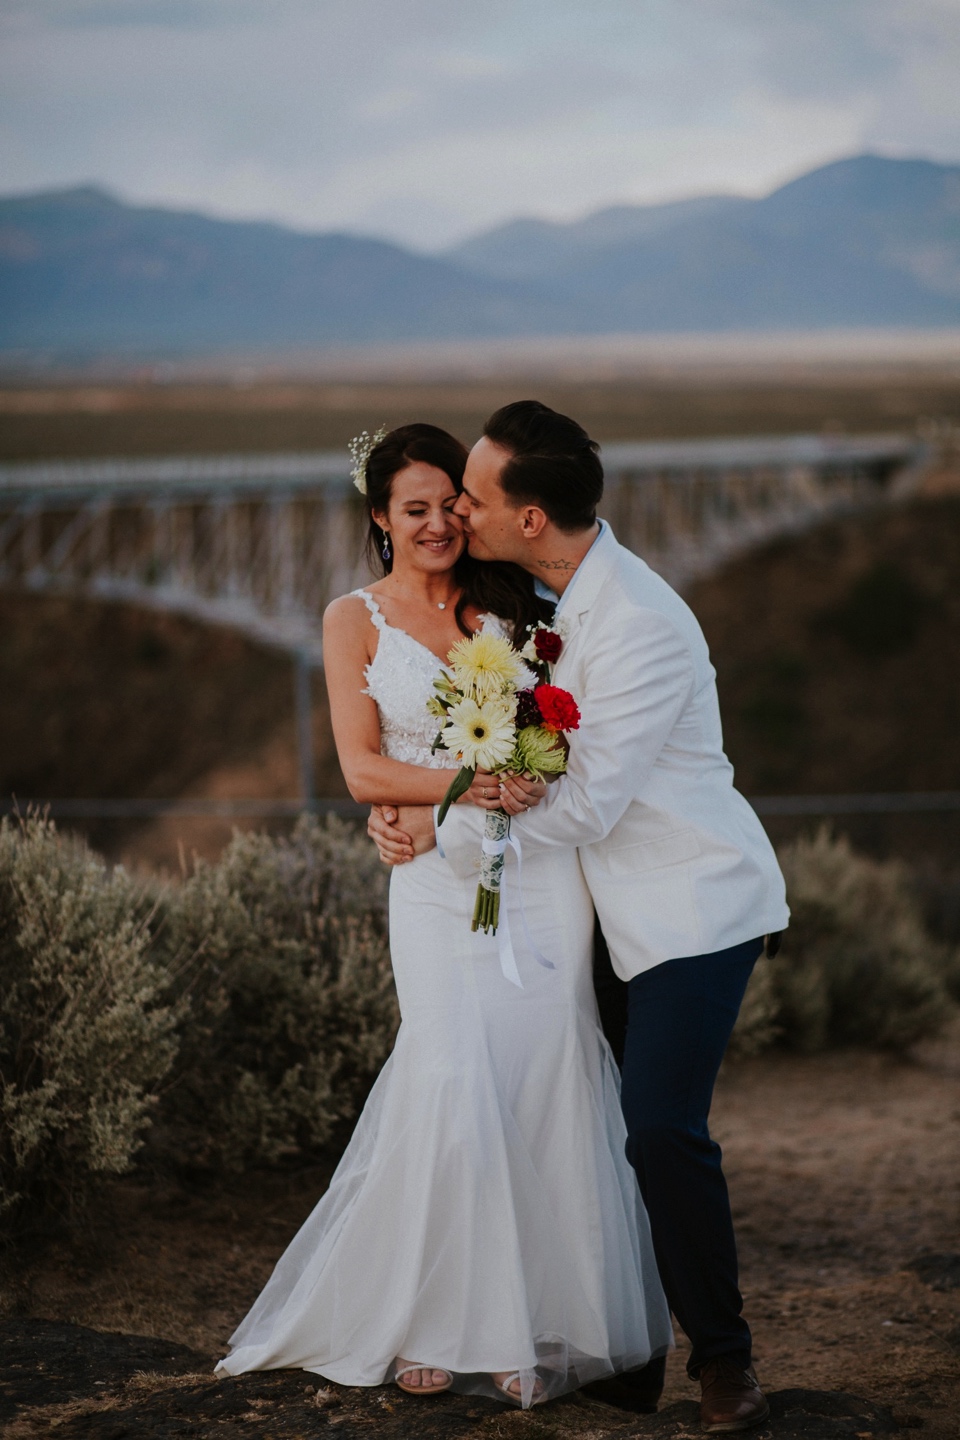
{"x": 483, "y": 1231}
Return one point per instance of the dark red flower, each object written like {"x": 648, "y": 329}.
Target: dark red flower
{"x": 548, "y": 645}
{"x": 528, "y": 711}
{"x": 558, "y": 708}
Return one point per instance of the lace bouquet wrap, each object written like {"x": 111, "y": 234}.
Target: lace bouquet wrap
{"x": 499, "y": 712}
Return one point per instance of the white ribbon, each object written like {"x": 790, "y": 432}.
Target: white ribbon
{"x": 508, "y": 958}
{"x": 538, "y": 955}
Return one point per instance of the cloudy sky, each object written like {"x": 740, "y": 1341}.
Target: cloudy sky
{"x": 427, "y": 120}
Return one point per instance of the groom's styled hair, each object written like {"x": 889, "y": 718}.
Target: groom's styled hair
{"x": 553, "y": 463}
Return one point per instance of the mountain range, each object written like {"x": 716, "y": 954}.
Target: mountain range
{"x": 867, "y": 241}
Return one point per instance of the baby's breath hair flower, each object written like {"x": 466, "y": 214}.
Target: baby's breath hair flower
{"x": 481, "y": 735}
{"x": 486, "y": 665}
{"x": 360, "y": 447}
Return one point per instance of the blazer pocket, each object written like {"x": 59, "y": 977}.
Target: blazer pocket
{"x": 653, "y": 854}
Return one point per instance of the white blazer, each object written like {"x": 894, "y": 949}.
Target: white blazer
{"x": 676, "y": 860}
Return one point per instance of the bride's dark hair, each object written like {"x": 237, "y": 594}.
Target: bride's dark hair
{"x": 495, "y": 587}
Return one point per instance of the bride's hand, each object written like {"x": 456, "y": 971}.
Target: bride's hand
{"x": 512, "y": 793}
{"x": 484, "y": 791}
{"x": 519, "y": 793}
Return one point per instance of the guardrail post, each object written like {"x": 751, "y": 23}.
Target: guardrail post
{"x": 303, "y": 693}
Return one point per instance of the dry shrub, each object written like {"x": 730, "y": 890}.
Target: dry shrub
{"x": 937, "y": 887}
{"x": 757, "y": 1027}
{"x": 858, "y": 966}
{"x": 256, "y": 998}
{"x": 280, "y": 958}
{"x": 84, "y": 1034}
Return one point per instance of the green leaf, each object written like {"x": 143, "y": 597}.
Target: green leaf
{"x": 458, "y": 786}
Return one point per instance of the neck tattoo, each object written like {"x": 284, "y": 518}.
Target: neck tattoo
{"x": 556, "y": 565}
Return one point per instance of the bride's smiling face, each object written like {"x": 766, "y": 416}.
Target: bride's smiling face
{"x": 424, "y": 532}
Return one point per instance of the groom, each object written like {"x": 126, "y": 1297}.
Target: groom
{"x": 684, "y": 880}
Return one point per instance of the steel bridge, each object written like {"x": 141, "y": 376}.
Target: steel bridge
{"x": 262, "y": 542}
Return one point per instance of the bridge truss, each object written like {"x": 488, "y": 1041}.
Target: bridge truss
{"x": 262, "y": 543}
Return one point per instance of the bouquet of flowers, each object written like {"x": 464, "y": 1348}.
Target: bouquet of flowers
{"x": 499, "y": 712}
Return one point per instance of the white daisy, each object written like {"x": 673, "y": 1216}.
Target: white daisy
{"x": 481, "y": 735}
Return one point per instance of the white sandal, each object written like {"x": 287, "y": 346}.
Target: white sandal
{"x": 539, "y": 1392}
{"x": 422, "y": 1389}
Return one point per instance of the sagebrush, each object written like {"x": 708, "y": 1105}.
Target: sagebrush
{"x": 86, "y": 1032}
{"x": 279, "y": 960}
{"x": 858, "y": 965}
{"x": 238, "y": 1018}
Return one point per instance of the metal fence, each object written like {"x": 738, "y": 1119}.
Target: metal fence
{"x": 791, "y": 806}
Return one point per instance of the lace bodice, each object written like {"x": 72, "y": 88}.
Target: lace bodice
{"x": 400, "y": 679}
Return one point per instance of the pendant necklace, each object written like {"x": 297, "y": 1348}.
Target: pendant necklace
{"x": 440, "y": 604}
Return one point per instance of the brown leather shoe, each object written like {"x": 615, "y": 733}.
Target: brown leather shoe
{"x": 731, "y": 1398}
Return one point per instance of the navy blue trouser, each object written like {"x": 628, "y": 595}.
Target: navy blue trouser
{"x": 669, "y": 1028}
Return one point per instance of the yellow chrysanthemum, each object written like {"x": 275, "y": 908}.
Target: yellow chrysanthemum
{"x": 482, "y": 735}
{"x": 485, "y": 666}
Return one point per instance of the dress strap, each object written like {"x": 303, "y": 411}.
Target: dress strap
{"x": 373, "y": 607}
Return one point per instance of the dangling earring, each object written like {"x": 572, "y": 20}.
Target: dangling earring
{"x": 386, "y": 551}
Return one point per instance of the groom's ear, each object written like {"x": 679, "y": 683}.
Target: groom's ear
{"x": 533, "y": 522}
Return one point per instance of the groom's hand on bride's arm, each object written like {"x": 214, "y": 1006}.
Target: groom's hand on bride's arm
{"x": 400, "y": 832}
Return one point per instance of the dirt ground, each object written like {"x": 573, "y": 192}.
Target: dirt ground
{"x": 844, "y": 1174}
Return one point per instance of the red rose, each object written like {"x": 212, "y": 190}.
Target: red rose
{"x": 548, "y": 645}
{"x": 558, "y": 708}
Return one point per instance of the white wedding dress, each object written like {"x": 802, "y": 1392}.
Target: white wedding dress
{"x": 484, "y": 1216}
